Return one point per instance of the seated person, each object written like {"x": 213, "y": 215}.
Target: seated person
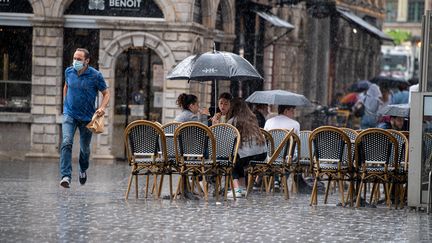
{"x": 395, "y": 123}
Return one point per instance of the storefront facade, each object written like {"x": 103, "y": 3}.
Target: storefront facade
{"x": 134, "y": 43}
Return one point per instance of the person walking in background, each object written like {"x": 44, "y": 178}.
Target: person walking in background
{"x": 82, "y": 84}
{"x": 402, "y": 95}
{"x": 252, "y": 145}
{"x": 372, "y": 102}
{"x": 224, "y": 103}
{"x": 190, "y": 109}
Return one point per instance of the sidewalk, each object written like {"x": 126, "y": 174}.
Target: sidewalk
{"x": 34, "y": 208}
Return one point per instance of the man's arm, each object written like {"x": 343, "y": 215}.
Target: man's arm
{"x": 65, "y": 88}
{"x": 105, "y": 100}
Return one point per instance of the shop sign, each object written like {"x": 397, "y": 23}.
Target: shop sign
{"x": 132, "y": 8}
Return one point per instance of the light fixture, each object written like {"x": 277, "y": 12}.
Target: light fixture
{"x": 354, "y": 30}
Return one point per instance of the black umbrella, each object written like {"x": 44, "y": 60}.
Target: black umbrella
{"x": 388, "y": 81}
{"x": 213, "y": 66}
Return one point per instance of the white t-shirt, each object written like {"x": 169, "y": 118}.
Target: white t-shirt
{"x": 282, "y": 122}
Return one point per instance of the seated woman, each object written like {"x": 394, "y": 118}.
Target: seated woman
{"x": 252, "y": 146}
{"x": 224, "y": 102}
{"x": 190, "y": 109}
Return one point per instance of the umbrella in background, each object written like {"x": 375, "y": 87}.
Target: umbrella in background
{"x": 213, "y": 66}
{"x": 278, "y": 97}
{"x": 400, "y": 110}
{"x": 360, "y": 86}
{"x": 390, "y": 82}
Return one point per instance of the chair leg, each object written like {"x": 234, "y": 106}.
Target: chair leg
{"x": 154, "y": 191}
{"x": 329, "y": 184}
{"x": 359, "y": 193}
{"x": 341, "y": 191}
{"x": 136, "y": 186}
{"x": 228, "y": 180}
{"x": 160, "y": 186}
{"x": 250, "y": 184}
{"x": 170, "y": 186}
{"x": 147, "y": 185}
{"x": 314, "y": 191}
{"x": 129, "y": 184}
{"x": 285, "y": 185}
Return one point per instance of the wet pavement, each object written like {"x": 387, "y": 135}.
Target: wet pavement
{"x": 34, "y": 208}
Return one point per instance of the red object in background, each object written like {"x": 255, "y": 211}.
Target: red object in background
{"x": 349, "y": 99}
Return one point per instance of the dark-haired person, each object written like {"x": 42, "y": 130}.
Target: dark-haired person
{"x": 252, "y": 145}
{"x": 82, "y": 85}
{"x": 190, "y": 109}
{"x": 284, "y": 119}
{"x": 224, "y": 103}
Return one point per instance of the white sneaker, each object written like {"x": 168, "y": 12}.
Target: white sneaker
{"x": 238, "y": 193}
{"x": 65, "y": 182}
{"x": 243, "y": 191}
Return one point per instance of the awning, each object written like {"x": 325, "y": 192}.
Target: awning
{"x": 351, "y": 17}
{"x": 275, "y": 20}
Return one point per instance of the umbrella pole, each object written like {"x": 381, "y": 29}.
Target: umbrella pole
{"x": 215, "y": 97}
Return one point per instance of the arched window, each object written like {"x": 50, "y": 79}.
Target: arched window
{"x": 197, "y": 12}
{"x": 219, "y": 18}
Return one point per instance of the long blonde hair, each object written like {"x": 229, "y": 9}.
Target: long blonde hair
{"x": 246, "y": 122}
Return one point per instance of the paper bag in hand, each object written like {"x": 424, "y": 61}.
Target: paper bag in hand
{"x": 96, "y": 125}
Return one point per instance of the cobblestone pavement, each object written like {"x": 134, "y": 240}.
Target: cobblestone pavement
{"x": 34, "y": 208}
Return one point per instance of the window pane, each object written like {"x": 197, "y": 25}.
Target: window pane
{"x": 15, "y": 68}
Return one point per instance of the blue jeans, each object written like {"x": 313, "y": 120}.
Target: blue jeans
{"x": 69, "y": 128}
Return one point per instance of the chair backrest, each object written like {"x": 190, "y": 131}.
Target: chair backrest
{"x": 294, "y": 149}
{"x": 144, "y": 139}
{"x": 282, "y": 146}
{"x": 406, "y": 133}
{"x": 169, "y": 129}
{"x": 304, "y": 152}
{"x": 403, "y": 147}
{"x": 269, "y": 142}
{"x": 352, "y": 134}
{"x": 330, "y": 145}
{"x": 194, "y": 139}
{"x": 374, "y": 147}
{"x": 279, "y": 136}
{"x": 227, "y": 141}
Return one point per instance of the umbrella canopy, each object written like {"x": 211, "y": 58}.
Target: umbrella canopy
{"x": 278, "y": 97}
{"x": 360, "y": 86}
{"x": 401, "y": 110}
{"x": 214, "y": 65}
{"x": 389, "y": 81}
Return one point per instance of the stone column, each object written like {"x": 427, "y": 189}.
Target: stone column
{"x": 46, "y": 97}
{"x": 402, "y": 12}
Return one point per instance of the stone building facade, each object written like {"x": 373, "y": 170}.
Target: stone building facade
{"x": 135, "y": 47}
{"x": 171, "y": 37}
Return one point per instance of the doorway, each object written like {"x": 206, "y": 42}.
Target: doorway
{"x": 139, "y": 78}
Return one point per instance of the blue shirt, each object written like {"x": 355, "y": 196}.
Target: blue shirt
{"x": 400, "y": 97}
{"x": 81, "y": 92}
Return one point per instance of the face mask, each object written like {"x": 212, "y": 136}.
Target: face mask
{"x": 78, "y": 65}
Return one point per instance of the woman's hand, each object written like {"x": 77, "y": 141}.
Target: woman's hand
{"x": 204, "y": 111}
{"x": 216, "y": 118}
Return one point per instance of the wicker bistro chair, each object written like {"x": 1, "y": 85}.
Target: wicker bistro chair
{"x": 330, "y": 146}
{"x": 400, "y": 177}
{"x": 275, "y": 164}
{"x": 376, "y": 158}
{"x": 195, "y": 148}
{"x": 227, "y": 143}
{"x": 282, "y": 164}
{"x": 293, "y": 164}
{"x": 304, "y": 153}
{"x": 172, "y": 166}
{"x": 143, "y": 141}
